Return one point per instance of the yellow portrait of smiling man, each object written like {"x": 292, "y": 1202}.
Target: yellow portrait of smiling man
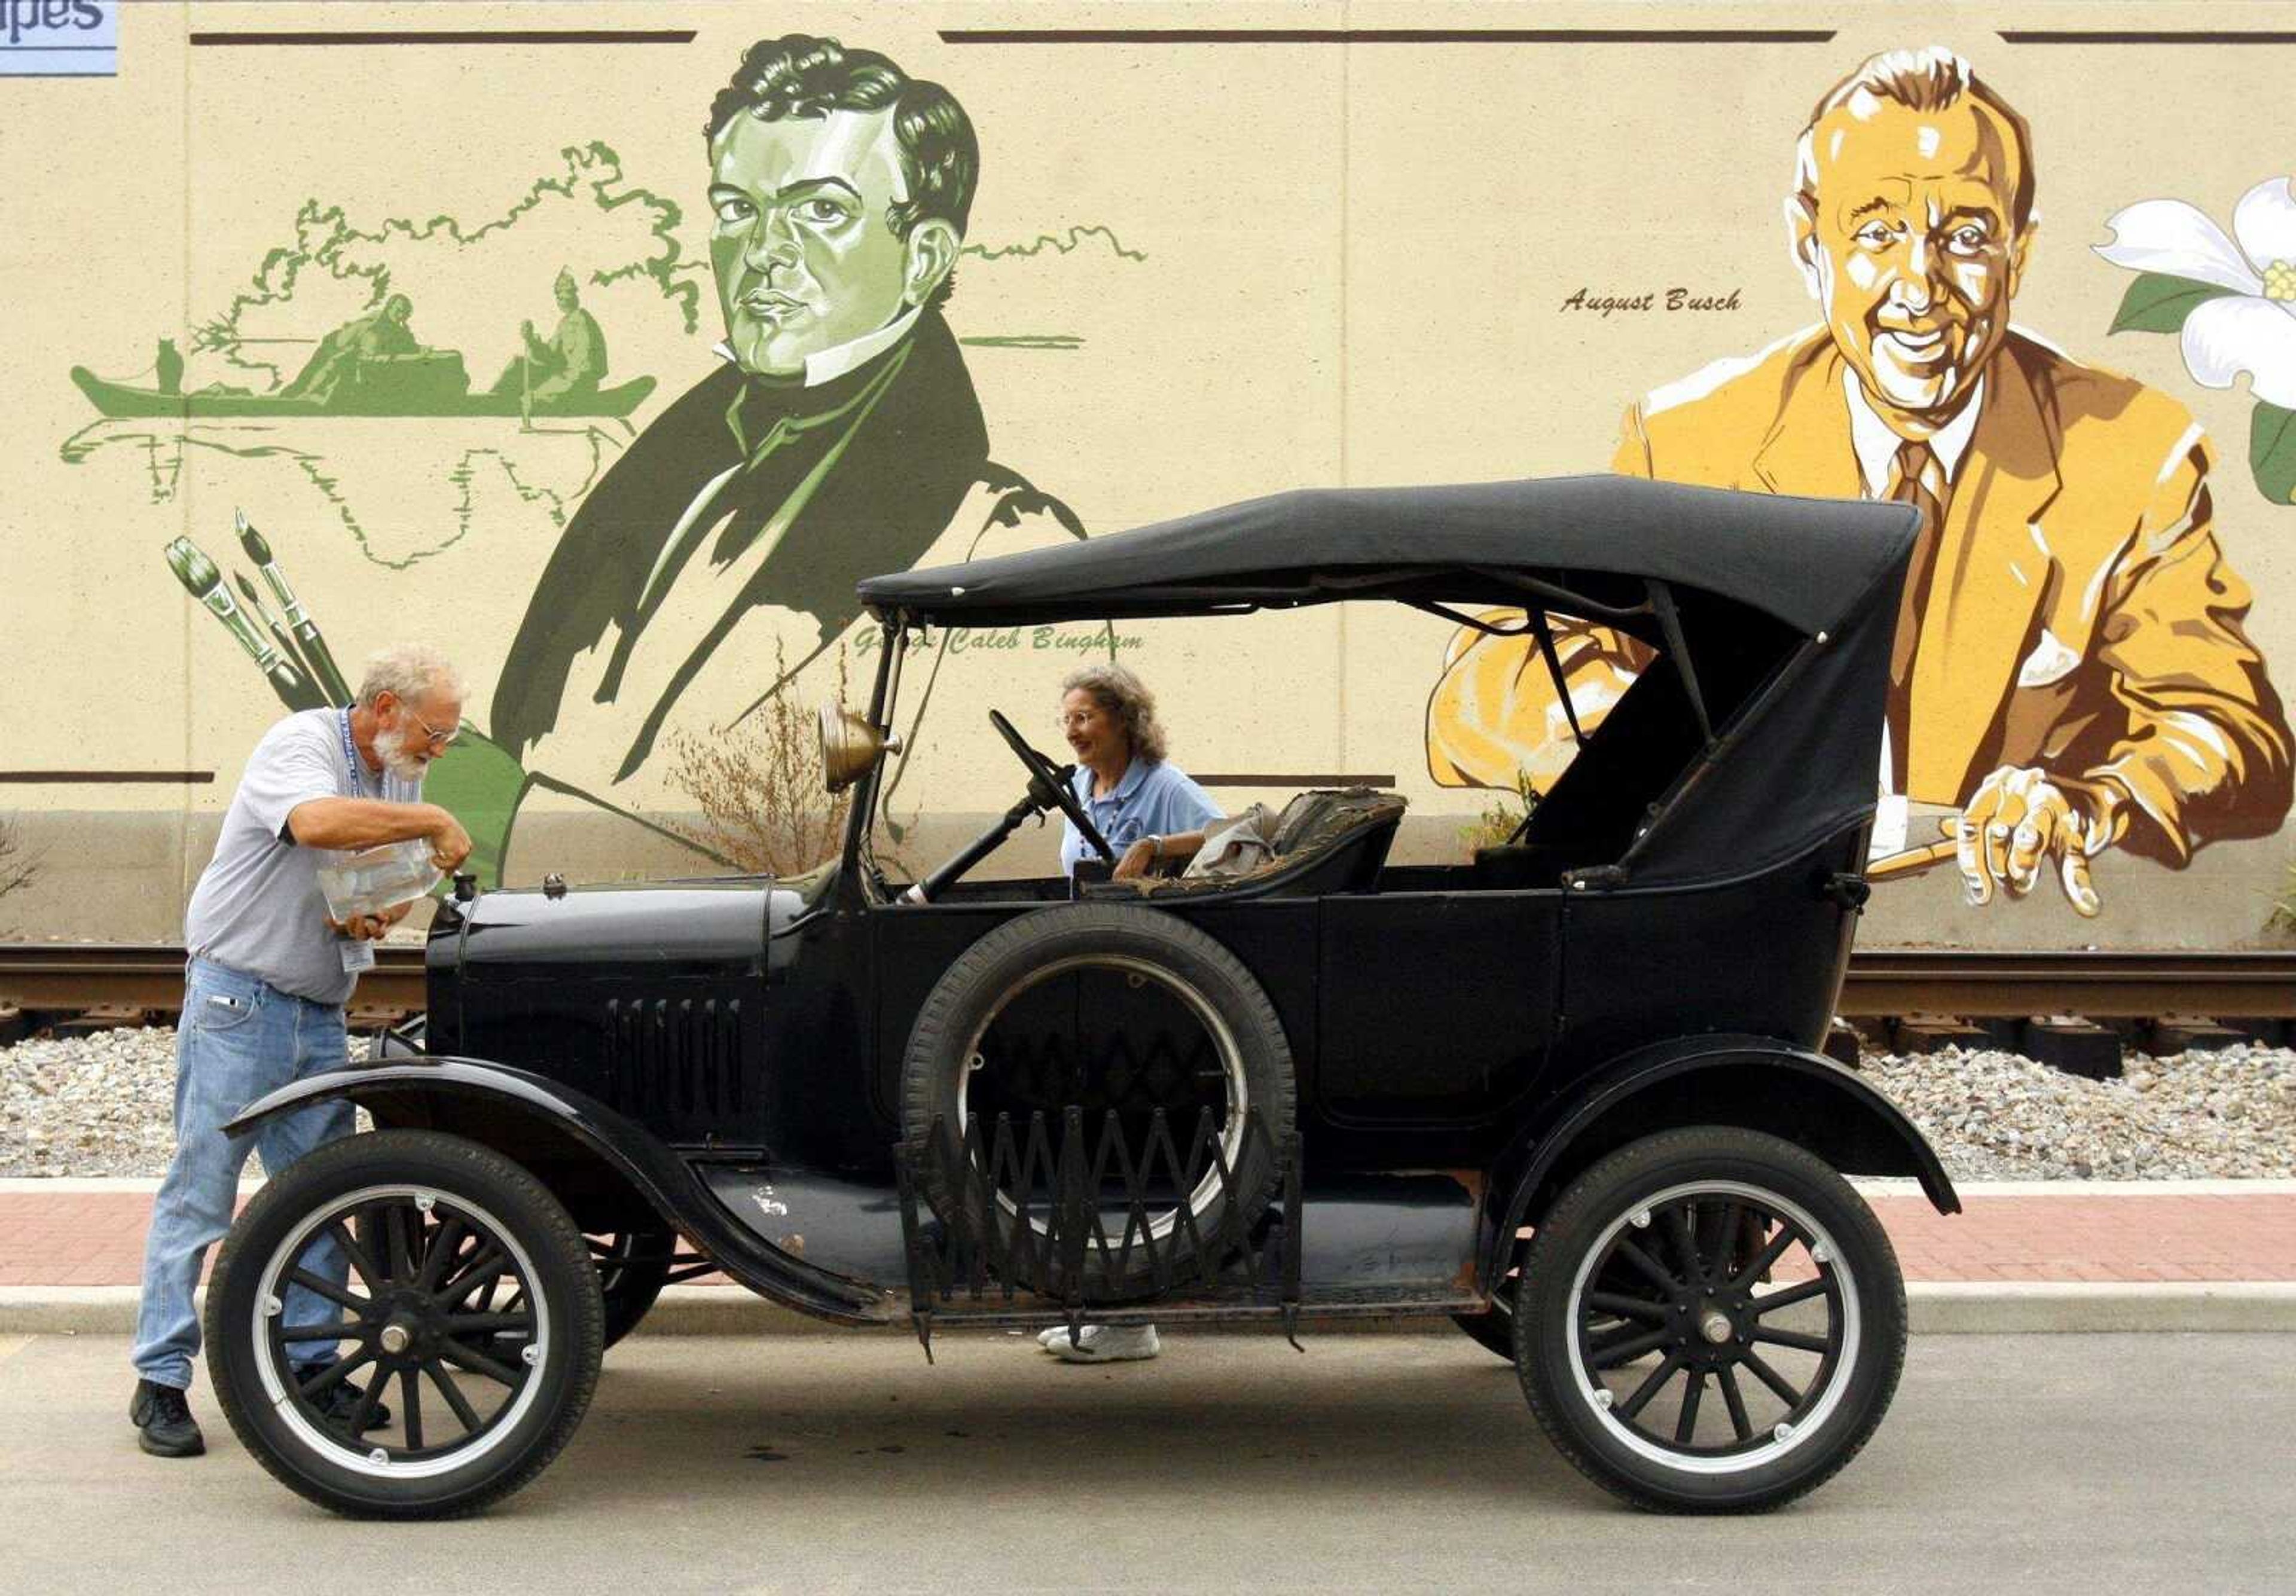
{"x": 1913, "y": 227}
{"x": 2071, "y": 672}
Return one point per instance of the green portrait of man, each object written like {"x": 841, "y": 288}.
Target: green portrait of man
{"x": 839, "y": 436}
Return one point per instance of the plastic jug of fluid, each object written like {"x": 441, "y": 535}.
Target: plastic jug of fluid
{"x": 374, "y": 879}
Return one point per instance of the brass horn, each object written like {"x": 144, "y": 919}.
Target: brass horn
{"x": 850, "y": 747}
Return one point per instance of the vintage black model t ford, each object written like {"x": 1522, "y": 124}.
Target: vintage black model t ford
{"x": 1565, "y": 1093}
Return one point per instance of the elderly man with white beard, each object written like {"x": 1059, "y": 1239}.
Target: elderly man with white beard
{"x": 264, "y": 990}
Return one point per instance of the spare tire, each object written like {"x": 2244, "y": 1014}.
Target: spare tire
{"x": 1144, "y": 945}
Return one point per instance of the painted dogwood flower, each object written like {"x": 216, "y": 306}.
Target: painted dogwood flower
{"x": 2251, "y": 326}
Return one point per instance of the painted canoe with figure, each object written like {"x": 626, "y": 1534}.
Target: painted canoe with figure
{"x": 433, "y": 393}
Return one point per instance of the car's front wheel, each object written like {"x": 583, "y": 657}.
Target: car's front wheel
{"x": 1709, "y": 1320}
{"x": 431, "y": 1275}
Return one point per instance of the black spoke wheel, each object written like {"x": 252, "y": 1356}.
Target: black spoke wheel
{"x": 633, "y": 1267}
{"x": 417, "y": 1269}
{"x": 1106, "y": 949}
{"x": 1710, "y": 1319}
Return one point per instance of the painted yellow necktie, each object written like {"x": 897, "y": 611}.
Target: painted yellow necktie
{"x": 1918, "y": 480}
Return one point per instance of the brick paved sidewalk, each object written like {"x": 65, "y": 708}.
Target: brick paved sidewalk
{"x": 87, "y": 1233}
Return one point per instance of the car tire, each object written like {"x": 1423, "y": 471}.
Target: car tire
{"x": 1696, "y": 1206}
{"x": 633, "y": 1267}
{"x": 416, "y": 1183}
{"x": 1194, "y": 965}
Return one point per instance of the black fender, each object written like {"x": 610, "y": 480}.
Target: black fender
{"x": 653, "y": 1170}
{"x": 1758, "y": 1082}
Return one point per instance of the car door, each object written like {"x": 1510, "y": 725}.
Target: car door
{"x": 1436, "y": 1007}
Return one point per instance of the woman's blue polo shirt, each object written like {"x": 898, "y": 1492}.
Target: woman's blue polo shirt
{"x": 1154, "y": 799}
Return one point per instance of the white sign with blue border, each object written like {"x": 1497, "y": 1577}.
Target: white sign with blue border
{"x": 59, "y": 38}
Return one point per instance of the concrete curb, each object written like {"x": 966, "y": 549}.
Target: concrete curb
{"x": 1989, "y": 1308}
{"x": 1933, "y": 1307}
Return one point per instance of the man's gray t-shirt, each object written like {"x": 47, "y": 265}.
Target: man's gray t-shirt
{"x": 257, "y": 908}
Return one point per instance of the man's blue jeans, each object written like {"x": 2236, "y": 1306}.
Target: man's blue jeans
{"x": 237, "y": 1040}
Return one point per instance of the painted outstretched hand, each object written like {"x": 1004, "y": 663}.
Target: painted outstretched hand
{"x": 2023, "y": 820}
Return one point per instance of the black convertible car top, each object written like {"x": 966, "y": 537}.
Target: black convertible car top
{"x": 1812, "y": 564}
{"x": 1774, "y": 613}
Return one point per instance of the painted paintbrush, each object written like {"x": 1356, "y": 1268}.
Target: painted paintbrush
{"x": 247, "y": 591}
{"x": 203, "y": 582}
{"x": 312, "y": 646}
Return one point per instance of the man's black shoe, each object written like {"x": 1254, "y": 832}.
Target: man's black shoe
{"x": 163, "y": 1421}
{"x": 340, "y": 1401}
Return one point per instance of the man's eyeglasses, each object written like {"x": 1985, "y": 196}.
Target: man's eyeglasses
{"x": 437, "y": 739}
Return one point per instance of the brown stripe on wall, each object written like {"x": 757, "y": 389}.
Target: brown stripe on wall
{"x": 527, "y": 36}
{"x": 2145, "y": 36}
{"x": 106, "y": 777}
{"x": 1312, "y": 780}
{"x": 1386, "y": 36}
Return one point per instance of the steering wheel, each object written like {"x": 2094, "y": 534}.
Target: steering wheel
{"x": 1043, "y": 773}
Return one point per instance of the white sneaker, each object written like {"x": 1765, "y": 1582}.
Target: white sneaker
{"x": 1102, "y": 1343}
{"x": 1053, "y": 1339}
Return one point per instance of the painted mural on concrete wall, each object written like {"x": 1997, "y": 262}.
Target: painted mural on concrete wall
{"x": 838, "y": 436}
{"x": 841, "y": 436}
{"x": 2073, "y": 672}
{"x": 2232, "y": 302}
{"x": 470, "y": 395}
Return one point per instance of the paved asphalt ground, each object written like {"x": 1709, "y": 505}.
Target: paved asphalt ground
{"x": 2080, "y": 1463}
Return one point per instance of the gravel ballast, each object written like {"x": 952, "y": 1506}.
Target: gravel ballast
{"x": 101, "y": 1105}
{"x": 1998, "y": 1116}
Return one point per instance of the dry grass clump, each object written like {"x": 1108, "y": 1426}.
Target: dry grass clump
{"x": 758, "y": 787}
{"x": 1499, "y": 819}
{"x": 18, "y": 868}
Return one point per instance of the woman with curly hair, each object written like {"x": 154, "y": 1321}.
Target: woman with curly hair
{"x": 1142, "y": 802}
{"x": 1148, "y": 809}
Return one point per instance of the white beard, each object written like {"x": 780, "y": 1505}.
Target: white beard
{"x": 390, "y": 747}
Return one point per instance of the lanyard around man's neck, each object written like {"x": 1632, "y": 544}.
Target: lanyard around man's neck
{"x": 353, "y": 766}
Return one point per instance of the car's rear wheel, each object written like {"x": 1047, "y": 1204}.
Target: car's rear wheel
{"x": 1047, "y": 1011}
{"x": 1710, "y": 1321}
{"x": 430, "y": 1272}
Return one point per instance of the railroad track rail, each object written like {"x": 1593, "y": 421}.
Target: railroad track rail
{"x": 77, "y": 977}
{"x": 2248, "y": 984}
